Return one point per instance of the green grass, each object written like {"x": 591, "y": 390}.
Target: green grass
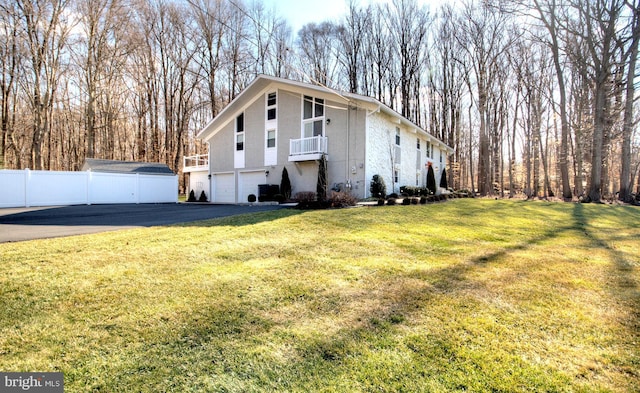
{"x": 467, "y": 295}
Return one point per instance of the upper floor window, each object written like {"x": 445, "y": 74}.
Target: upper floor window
{"x": 429, "y": 149}
{"x": 398, "y": 136}
{"x": 240, "y": 132}
{"x": 313, "y": 117}
{"x": 272, "y": 100}
{"x": 271, "y": 138}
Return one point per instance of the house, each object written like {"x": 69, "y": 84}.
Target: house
{"x": 276, "y": 123}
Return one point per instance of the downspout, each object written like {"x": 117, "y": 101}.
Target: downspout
{"x": 209, "y": 176}
{"x": 366, "y": 136}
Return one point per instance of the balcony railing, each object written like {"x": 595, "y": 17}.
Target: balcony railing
{"x": 198, "y": 162}
{"x": 307, "y": 148}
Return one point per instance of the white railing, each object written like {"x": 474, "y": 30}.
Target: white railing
{"x": 313, "y": 145}
{"x": 195, "y": 162}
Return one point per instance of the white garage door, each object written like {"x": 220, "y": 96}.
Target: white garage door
{"x": 224, "y": 188}
{"x": 248, "y": 184}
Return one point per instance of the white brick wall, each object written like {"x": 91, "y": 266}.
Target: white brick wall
{"x": 380, "y": 138}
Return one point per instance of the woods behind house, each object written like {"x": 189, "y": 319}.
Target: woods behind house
{"x": 535, "y": 96}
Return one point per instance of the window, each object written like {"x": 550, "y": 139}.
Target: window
{"x": 312, "y": 117}
{"x": 240, "y": 142}
{"x": 398, "y": 136}
{"x": 271, "y": 138}
{"x": 271, "y": 99}
{"x": 441, "y": 157}
{"x": 271, "y": 106}
{"x": 428, "y": 149}
{"x": 418, "y": 144}
{"x": 395, "y": 175}
{"x": 240, "y": 132}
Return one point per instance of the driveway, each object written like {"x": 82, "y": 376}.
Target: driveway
{"x": 19, "y": 224}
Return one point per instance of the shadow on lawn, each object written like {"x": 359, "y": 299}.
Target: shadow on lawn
{"x": 625, "y": 289}
{"x": 216, "y": 333}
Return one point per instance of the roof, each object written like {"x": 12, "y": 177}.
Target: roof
{"x": 264, "y": 82}
{"x": 113, "y": 166}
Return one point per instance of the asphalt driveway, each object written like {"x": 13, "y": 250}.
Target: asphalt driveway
{"x": 19, "y": 224}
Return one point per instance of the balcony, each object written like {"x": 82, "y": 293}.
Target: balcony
{"x": 307, "y": 149}
{"x": 196, "y": 163}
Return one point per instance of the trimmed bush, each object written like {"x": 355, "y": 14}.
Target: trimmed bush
{"x": 203, "y": 197}
{"x": 377, "y": 187}
{"x": 251, "y": 198}
{"x": 192, "y": 196}
{"x": 285, "y": 184}
{"x": 406, "y": 201}
{"x": 414, "y": 201}
{"x": 423, "y": 200}
{"x": 391, "y": 201}
{"x": 307, "y": 200}
{"x": 380, "y": 202}
{"x": 305, "y": 196}
{"x": 342, "y": 199}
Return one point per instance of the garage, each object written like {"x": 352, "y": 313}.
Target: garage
{"x": 248, "y": 184}
{"x": 224, "y": 188}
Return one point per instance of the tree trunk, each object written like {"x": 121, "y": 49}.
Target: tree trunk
{"x": 628, "y": 122}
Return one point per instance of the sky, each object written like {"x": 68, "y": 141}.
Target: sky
{"x": 301, "y": 12}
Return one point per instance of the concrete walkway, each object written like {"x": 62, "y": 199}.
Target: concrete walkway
{"x": 19, "y": 224}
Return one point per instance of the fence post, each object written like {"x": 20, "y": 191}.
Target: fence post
{"x": 89, "y": 180}
{"x": 27, "y": 178}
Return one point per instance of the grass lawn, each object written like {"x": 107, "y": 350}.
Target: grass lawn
{"x": 467, "y": 295}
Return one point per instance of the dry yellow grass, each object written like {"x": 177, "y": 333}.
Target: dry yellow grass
{"x": 472, "y": 295}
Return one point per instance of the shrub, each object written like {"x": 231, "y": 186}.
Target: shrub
{"x": 203, "y": 197}
{"x": 377, "y": 187}
{"x": 251, "y": 198}
{"x": 321, "y": 185}
{"x": 406, "y": 201}
{"x": 414, "y": 201}
{"x": 380, "y": 202}
{"x": 279, "y": 198}
{"x": 307, "y": 200}
{"x": 305, "y": 196}
{"x": 391, "y": 201}
{"x": 285, "y": 184}
{"x": 413, "y": 191}
{"x": 393, "y": 195}
{"x": 342, "y": 199}
{"x": 192, "y": 196}
{"x": 423, "y": 200}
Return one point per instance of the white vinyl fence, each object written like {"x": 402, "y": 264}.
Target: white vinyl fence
{"x": 26, "y": 188}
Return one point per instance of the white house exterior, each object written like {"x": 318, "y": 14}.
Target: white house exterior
{"x": 276, "y": 123}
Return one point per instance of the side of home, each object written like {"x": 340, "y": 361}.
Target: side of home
{"x": 276, "y": 123}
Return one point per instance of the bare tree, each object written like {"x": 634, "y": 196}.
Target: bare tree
{"x": 548, "y": 14}
{"x": 316, "y": 43}
{"x": 351, "y": 38}
{"x": 482, "y": 33}
{"x": 10, "y": 59}
{"x": 408, "y": 25}
{"x": 629, "y": 121}
{"x": 45, "y": 34}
